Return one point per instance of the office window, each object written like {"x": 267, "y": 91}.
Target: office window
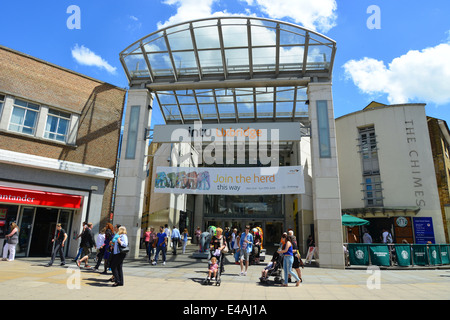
{"x": 2, "y": 102}
{"x": 369, "y": 151}
{"x": 23, "y": 118}
{"x": 57, "y": 125}
{"x": 373, "y": 195}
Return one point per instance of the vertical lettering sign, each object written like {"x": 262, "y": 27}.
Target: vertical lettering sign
{"x": 415, "y": 163}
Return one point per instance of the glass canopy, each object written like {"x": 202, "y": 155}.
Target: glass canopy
{"x": 230, "y": 69}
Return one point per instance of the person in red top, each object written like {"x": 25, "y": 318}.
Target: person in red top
{"x": 59, "y": 241}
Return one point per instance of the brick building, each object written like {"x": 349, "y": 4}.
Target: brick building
{"x": 440, "y": 146}
{"x": 59, "y": 138}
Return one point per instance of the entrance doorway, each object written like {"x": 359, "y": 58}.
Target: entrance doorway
{"x": 43, "y": 231}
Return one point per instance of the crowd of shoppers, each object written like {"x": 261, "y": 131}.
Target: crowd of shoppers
{"x": 112, "y": 239}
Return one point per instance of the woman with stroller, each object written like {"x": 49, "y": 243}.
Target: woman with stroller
{"x": 288, "y": 259}
{"x": 219, "y": 246}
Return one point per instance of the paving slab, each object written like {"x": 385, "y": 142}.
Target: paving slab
{"x": 181, "y": 279}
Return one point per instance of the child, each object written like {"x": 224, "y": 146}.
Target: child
{"x": 213, "y": 268}
{"x": 269, "y": 267}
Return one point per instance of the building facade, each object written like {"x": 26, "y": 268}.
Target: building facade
{"x": 440, "y": 147}
{"x": 59, "y": 138}
{"x": 233, "y": 75}
{"x": 387, "y": 174}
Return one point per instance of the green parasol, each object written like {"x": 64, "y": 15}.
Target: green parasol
{"x": 351, "y": 221}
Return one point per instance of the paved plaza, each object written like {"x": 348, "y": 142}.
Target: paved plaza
{"x": 181, "y": 277}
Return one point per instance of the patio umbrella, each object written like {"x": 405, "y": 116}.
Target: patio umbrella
{"x": 351, "y": 221}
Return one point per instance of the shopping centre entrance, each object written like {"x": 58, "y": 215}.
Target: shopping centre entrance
{"x": 256, "y": 83}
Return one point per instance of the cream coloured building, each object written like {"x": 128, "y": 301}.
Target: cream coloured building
{"x": 387, "y": 174}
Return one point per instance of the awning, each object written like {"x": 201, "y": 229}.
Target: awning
{"x": 351, "y": 221}
{"x": 39, "y": 198}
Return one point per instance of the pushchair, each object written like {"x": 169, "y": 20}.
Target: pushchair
{"x": 273, "y": 269}
{"x": 218, "y": 256}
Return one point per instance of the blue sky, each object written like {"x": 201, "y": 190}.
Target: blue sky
{"x": 406, "y": 60}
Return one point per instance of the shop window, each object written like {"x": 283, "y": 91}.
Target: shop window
{"x": 24, "y": 116}
{"x": 57, "y": 125}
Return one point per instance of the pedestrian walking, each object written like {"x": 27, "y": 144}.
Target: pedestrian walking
{"x": 297, "y": 257}
{"x": 109, "y": 234}
{"x": 59, "y": 241}
{"x": 245, "y": 245}
{"x": 119, "y": 257}
{"x": 87, "y": 243}
{"x": 161, "y": 246}
{"x": 100, "y": 247}
{"x": 236, "y": 247}
{"x": 153, "y": 241}
{"x": 147, "y": 239}
{"x": 185, "y": 236}
{"x": 176, "y": 236}
{"x": 80, "y": 249}
{"x": 12, "y": 239}
{"x": 288, "y": 259}
{"x": 198, "y": 233}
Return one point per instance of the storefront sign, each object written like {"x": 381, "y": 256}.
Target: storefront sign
{"x": 435, "y": 254}
{"x": 420, "y": 256}
{"x": 423, "y": 230}
{"x": 379, "y": 255}
{"x": 403, "y": 253}
{"x": 39, "y": 198}
{"x": 444, "y": 254}
{"x": 358, "y": 254}
{"x": 289, "y": 131}
{"x": 310, "y": 254}
{"x": 239, "y": 181}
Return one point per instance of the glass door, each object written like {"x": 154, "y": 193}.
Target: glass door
{"x": 65, "y": 219}
{"x": 26, "y": 229}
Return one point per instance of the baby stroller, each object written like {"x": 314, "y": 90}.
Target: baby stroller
{"x": 273, "y": 269}
{"x": 216, "y": 259}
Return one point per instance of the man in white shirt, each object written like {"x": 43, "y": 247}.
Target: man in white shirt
{"x": 176, "y": 236}
{"x": 367, "y": 238}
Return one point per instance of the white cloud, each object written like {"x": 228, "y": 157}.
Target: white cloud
{"x": 317, "y": 15}
{"x": 418, "y": 75}
{"x": 85, "y": 56}
{"x": 188, "y": 10}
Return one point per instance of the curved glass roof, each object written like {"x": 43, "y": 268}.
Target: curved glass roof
{"x": 230, "y": 68}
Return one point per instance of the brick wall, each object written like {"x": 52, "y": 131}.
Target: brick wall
{"x": 442, "y": 167}
{"x": 100, "y": 106}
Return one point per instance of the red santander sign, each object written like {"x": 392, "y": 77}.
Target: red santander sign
{"x": 39, "y": 198}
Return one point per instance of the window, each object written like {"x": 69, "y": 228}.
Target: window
{"x": 23, "y": 118}
{"x": 369, "y": 151}
{"x": 324, "y": 129}
{"x": 57, "y": 125}
{"x": 2, "y": 102}
{"x": 373, "y": 195}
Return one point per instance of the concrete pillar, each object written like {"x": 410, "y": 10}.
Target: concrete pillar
{"x": 129, "y": 202}
{"x": 325, "y": 178}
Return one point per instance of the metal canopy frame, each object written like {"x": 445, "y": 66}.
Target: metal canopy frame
{"x": 230, "y": 69}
